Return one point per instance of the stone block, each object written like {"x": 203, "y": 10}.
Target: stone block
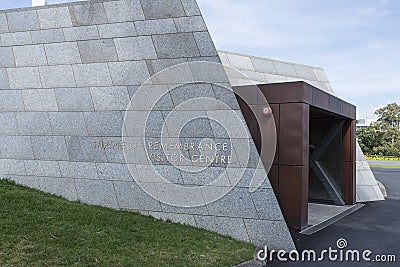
{"x": 161, "y": 64}
{"x": 159, "y": 9}
{"x": 285, "y": 69}
{"x": 169, "y": 194}
{"x": 54, "y": 18}
{"x": 132, "y": 197}
{"x": 163, "y": 171}
{"x": 242, "y": 177}
{"x": 8, "y": 123}
{"x": 82, "y": 149}
{"x": 129, "y": 73}
{"x": 11, "y": 100}
{"x": 82, "y": 100}
{"x": 33, "y": 123}
{"x": 191, "y": 8}
{"x": 114, "y": 172}
{"x": 4, "y": 81}
{"x": 6, "y": 57}
{"x": 191, "y": 124}
{"x": 15, "y": 38}
{"x": 12, "y": 166}
{"x": 57, "y": 76}
{"x": 136, "y": 155}
{"x": 274, "y": 234}
{"x": 104, "y": 123}
{"x": 30, "y": 55}
{"x": 62, "y": 53}
{"x": 240, "y": 62}
{"x": 110, "y": 98}
{"x": 47, "y": 36}
{"x": 226, "y": 121}
{"x": 114, "y": 152}
{"x": 96, "y": 192}
{"x": 88, "y": 14}
{"x": 158, "y": 26}
{"x": 190, "y": 24}
{"x": 150, "y": 123}
{"x": 266, "y": 205}
{"x": 205, "y": 44}
{"x": 124, "y": 29}
{"x": 96, "y": 51}
{"x": 209, "y": 73}
{"x": 124, "y": 10}
{"x": 246, "y": 152}
{"x": 67, "y": 123}
{"x": 29, "y": 181}
{"x": 135, "y": 48}
{"x": 42, "y": 168}
{"x": 233, "y": 227}
{"x": 59, "y": 186}
{"x": 264, "y": 66}
{"x": 253, "y": 76}
{"x": 189, "y": 92}
{"x": 226, "y": 95}
{"x": 24, "y": 78}
{"x": 15, "y": 147}
{"x": 160, "y": 96}
{"x": 196, "y": 176}
{"x": 84, "y": 170}
{"x": 81, "y": 33}
{"x": 95, "y": 74}
{"x": 49, "y": 148}
{"x": 175, "y": 45}
{"x": 40, "y": 100}
{"x": 3, "y": 23}
{"x": 305, "y": 72}
{"x": 23, "y": 21}
{"x": 169, "y": 173}
{"x": 237, "y": 203}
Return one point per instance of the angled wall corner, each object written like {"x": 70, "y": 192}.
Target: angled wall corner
{"x": 67, "y": 73}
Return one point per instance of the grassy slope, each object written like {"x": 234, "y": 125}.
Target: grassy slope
{"x": 38, "y": 229}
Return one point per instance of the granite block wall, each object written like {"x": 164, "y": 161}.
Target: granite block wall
{"x": 67, "y": 74}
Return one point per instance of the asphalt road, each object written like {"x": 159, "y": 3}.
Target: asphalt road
{"x": 375, "y": 227}
{"x": 390, "y": 178}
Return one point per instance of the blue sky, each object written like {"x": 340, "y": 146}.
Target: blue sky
{"x": 357, "y": 42}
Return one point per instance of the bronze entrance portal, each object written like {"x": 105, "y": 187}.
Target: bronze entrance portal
{"x": 315, "y": 154}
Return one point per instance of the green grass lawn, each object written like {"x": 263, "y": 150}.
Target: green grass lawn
{"x": 384, "y": 166}
{"x": 38, "y": 229}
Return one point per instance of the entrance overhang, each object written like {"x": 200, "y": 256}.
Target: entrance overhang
{"x": 316, "y": 146}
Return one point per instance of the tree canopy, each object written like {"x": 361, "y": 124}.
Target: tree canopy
{"x": 382, "y": 137}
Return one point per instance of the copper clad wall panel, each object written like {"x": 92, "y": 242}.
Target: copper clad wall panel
{"x": 294, "y": 134}
{"x": 293, "y": 195}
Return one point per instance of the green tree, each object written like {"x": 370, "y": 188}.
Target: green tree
{"x": 382, "y": 137}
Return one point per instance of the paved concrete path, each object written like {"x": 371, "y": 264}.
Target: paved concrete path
{"x": 376, "y": 227}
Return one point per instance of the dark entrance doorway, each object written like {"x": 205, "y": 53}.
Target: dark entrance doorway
{"x": 315, "y": 155}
